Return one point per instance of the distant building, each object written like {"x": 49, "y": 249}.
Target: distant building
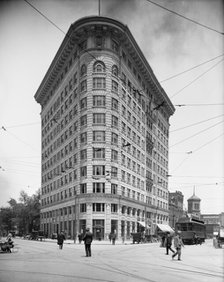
{"x": 194, "y": 206}
{"x": 213, "y": 222}
{"x": 176, "y": 200}
{"x": 105, "y": 134}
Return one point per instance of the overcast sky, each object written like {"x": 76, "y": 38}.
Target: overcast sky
{"x": 171, "y": 45}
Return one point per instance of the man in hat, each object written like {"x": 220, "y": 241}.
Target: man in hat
{"x": 168, "y": 243}
{"x": 178, "y": 243}
{"x": 60, "y": 239}
{"x": 88, "y": 238}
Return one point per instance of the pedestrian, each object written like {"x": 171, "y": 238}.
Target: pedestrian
{"x": 113, "y": 237}
{"x": 195, "y": 238}
{"x": 9, "y": 243}
{"x": 88, "y": 238}
{"x": 163, "y": 241}
{"x": 60, "y": 239}
{"x": 168, "y": 243}
{"x": 80, "y": 238}
{"x": 178, "y": 243}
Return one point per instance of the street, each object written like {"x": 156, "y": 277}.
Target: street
{"x": 36, "y": 261}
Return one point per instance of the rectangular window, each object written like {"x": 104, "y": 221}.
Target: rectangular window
{"x": 83, "y": 121}
{"x": 99, "y": 119}
{"x": 83, "y": 155}
{"x": 123, "y": 127}
{"x": 114, "y": 208}
{"x": 114, "y": 104}
{"x": 83, "y": 138}
{"x": 114, "y": 138}
{"x": 128, "y": 178}
{"x": 114, "y": 171}
{"x": 114, "y": 121}
{"x": 98, "y": 136}
{"x": 114, "y": 155}
{"x": 83, "y": 171}
{"x": 83, "y": 104}
{"x": 98, "y": 153}
{"x": 98, "y": 207}
{"x": 123, "y": 94}
{"x": 114, "y": 86}
{"x": 123, "y": 111}
{"x": 99, "y": 83}
{"x": 123, "y": 175}
{"x": 83, "y": 86}
{"x": 82, "y": 207}
{"x": 113, "y": 188}
{"x": 98, "y": 170}
{"x": 83, "y": 188}
{"x": 98, "y": 187}
{"x": 99, "y": 101}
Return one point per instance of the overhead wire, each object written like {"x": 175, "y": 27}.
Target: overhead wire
{"x": 196, "y": 78}
{"x": 37, "y": 10}
{"x": 190, "y": 69}
{"x": 212, "y": 126}
{"x": 193, "y": 124}
{"x": 55, "y": 25}
{"x": 186, "y": 18}
{"x": 23, "y": 125}
{"x": 6, "y": 130}
{"x": 202, "y": 146}
{"x": 198, "y": 105}
{"x": 199, "y": 148}
{"x": 160, "y": 7}
{"x": 186, "y": 185}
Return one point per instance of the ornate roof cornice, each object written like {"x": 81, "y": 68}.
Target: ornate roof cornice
{"x": 77, "y": 32}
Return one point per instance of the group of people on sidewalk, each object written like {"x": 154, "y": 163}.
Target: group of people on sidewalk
{"x": 178, "y": 244}
{"x": 88, "y": 238}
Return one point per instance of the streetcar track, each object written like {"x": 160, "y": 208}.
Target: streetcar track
{"x": 202, "y": 272}
{"x": 57, "y": 274}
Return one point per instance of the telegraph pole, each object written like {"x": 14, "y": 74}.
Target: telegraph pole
{"x": 99, "y": 7}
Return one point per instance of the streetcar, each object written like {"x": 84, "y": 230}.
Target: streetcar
{"x": 193, "y": 231}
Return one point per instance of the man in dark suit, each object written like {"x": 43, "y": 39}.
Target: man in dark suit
{"x": 88, "y": 238}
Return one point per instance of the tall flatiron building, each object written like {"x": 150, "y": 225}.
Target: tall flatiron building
{"x": 105, "y": 132}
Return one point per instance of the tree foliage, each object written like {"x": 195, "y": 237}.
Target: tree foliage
{"x": 22, "y": 216}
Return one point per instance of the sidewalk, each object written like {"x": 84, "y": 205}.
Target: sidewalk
{"x": 95, "y": 242}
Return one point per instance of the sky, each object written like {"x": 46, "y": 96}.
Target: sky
{"x": 186, "y": 57}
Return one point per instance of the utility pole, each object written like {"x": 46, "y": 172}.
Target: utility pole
{"x": 99, "y": 7}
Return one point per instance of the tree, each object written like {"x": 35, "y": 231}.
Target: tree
{"x": 5, "y": 220}
{"x": 23, "y": 216}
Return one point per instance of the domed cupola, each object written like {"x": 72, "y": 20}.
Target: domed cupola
{"x": 194, "y": 205}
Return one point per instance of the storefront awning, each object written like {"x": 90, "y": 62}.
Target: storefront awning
{"x": 142, "y": 223}
{"x": 165, "y": 228}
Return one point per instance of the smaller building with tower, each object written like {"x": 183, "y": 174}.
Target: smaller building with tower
{"x": 194, "y": 206}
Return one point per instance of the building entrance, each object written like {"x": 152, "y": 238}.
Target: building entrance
{"x": 98, "y": 229}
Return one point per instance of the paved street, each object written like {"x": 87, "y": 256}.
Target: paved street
{"x": 36, "y": 261}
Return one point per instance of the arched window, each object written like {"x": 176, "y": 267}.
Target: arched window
{"x": 115, "y": 70}
{"x": 83, "y": 70}
{"x": 99, "y": 67}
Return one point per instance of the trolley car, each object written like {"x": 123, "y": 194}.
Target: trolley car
{"x": 193, "y": 231}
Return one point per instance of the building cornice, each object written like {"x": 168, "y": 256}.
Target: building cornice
{"x": 74, "y": 36}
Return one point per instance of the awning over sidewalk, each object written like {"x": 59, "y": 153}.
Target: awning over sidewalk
{"x": 165, "y": 228}
{"x": 142, "y": 223}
